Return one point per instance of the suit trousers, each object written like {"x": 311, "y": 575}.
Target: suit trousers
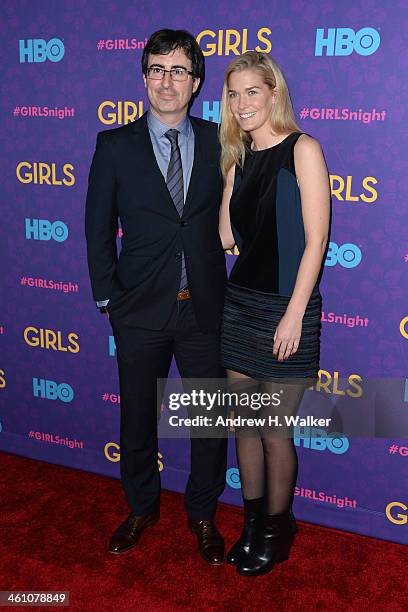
{"x": 143, "y": 356}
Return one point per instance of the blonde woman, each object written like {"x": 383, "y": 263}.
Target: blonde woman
{"x": 276, "y": 209}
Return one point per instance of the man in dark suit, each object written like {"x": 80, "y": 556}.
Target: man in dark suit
{"x": 164, "y": 295}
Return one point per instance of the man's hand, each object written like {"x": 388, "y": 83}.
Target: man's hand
{"x": 103, "y": 310}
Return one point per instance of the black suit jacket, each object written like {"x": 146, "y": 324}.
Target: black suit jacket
{"x": 125, "y": 182}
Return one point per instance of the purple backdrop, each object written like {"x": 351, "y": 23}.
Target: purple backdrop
{"x": 72, "y": 69}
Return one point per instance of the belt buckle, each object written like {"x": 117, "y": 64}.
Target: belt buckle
{"x": 183, "y": 295}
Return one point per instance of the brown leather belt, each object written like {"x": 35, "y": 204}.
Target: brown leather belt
{"x": 183, "y": 295}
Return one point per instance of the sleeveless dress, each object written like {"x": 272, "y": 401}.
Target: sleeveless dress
{"x": 266, "y": 220}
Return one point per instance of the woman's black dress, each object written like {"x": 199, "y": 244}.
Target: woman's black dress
{"x": 266, "y": 219}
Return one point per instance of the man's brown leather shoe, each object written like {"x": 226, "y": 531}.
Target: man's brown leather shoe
{"x": 128, "y": 533}
{"x": 210, "y": 541}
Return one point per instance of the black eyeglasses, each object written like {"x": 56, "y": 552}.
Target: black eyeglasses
{"x": 176, "y": 74}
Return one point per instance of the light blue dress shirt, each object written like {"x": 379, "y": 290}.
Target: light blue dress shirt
{"x": 162, "y": 147}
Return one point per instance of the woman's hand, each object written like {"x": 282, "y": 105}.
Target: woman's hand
{"x": 287, "y": 337}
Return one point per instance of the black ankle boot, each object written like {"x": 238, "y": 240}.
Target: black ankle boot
{"x": 293, "y": 522}
{"x": 272, "y": 542}
{"x": 252, "y": 514}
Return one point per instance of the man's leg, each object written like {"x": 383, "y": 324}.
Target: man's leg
{"x": 143, "y": 356}
{"x": 198, "y": 356}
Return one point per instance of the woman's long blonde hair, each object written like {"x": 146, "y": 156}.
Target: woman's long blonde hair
{"x": 233, "y": 139}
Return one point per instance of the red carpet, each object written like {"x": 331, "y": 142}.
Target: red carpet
{"x": 56, "y": 523}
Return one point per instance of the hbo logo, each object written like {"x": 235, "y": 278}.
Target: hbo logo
{"x": 39, "y": 50}
{"x": 343, "y": 41}
{"x": 317, "y": 439}
{"x": 233, "y": 479}
{"x": 48, "y": 389}
{"x": 347, "y": 255}
{"x": 112, "y": 346}
{"x": 42, "y": 229}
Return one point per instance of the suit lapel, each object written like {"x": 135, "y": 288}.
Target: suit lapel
{"x": 197, "y": 162}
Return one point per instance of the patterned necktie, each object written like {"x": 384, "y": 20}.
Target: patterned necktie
{"x": 175, "y": 185}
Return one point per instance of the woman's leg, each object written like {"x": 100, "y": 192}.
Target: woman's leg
{"x": 250, "y": 456}
{"x": 249, "y": 448}
{"x": 281, "y": 462}
{"x": 275, "y": 535}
